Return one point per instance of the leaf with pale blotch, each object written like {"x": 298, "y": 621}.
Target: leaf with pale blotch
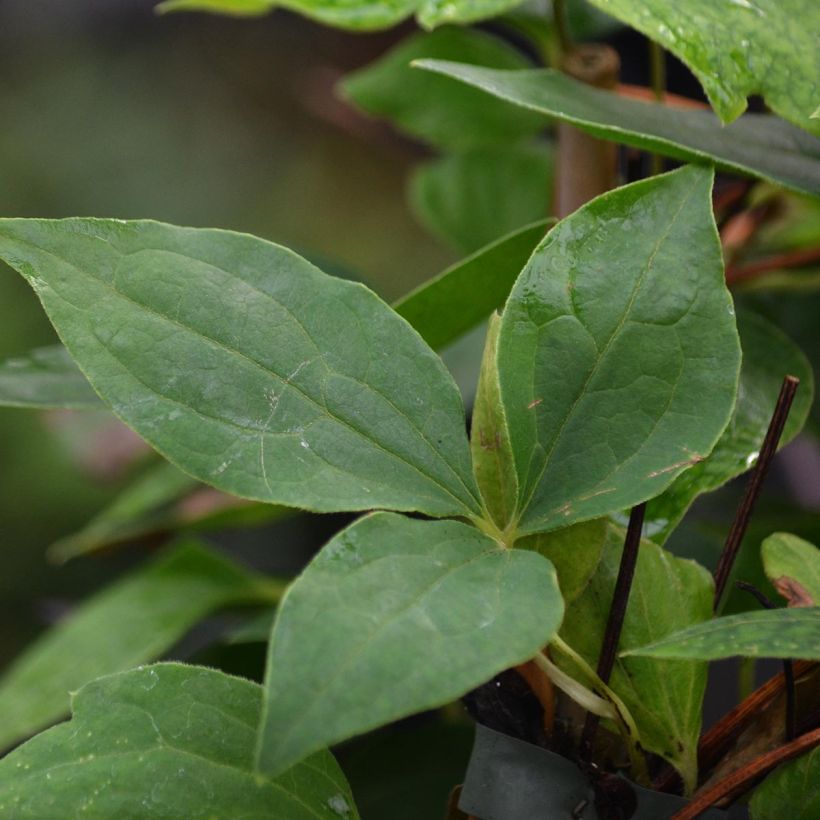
{"x": 165, "y": 741}
{"x": 739, "y": 48}
{"x": 46, "y": 378}
{"x": 395, "y": 616}
{"x": 438, "y": 110}
{"x": 618, "y": 354}
{"x": 789, "y": 791}
{"x": 771, "y": 633}
{"x": 132, "y": 621}
{"x": 757, "y": 144}
{"x": 664, "y": 697}
{"x": 768, "y": 356}
{"x": 793, "y": 567}
{"x": 249, "y": 368}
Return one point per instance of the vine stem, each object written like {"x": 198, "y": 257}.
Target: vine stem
{"x": 559, "y": 14}
{"x": 747, "y": 504}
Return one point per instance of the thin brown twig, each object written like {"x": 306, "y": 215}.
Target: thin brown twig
{"x": 791, "y": 259}
{"x": 747, "y": 504}
{"x": 742, "y": 779}
{"x": 615, "y": 620}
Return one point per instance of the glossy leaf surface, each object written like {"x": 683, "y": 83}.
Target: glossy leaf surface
{"x": 471, "y": 199}
{"x": 773, "y": 633}
{"x": 164, "y": 741}
{"x": 793, "y": 567}
{"x": 757, "y": 144}
{"x": 618, "y": 354}
{"x": 739, "y": 48}
{"x": 791, "y": 790}
{"x": 45, "y": 378}
{"x": 438, "y": 110}
{"x": 663, "y": 696}
{"x": 249, "y": 368}
{"x": 768, "y": 356}
{"x": 132, "y": 621}
{"x": 455, "y": 301}
{"x": 395, "y": 616}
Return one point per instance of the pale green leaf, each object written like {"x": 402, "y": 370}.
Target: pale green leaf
{"x": 45, "y": 378}
{"x": 663, "y": 696}
{"x": 769, "y": 633}
{"x": 472, "y": 199}
{"x": 793, "y": 567}
{"x": 618, "y": 353}
{"x": 437, "y": 109}
{"x": 768, "y": 356}
{"x": 164, "y": 741}
{"x": 134, "y": 620}
{"x": 739, "y": 48}
{"x": 757, "y": 144}
{"x": 447, "y": 306}
{"x": 395, "y": 616}
{"x": 249, "y": 368}
{"x": 789, "y": 791}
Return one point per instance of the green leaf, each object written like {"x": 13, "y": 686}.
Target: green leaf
{"x": 164, "y": 741}
{"x": 470, "y": 200}
{"x": 44, "y": 378}
{"x": 134, "y": 620}
{"x": 739, "y": 48}
{"x": 618, "y": 354}
{"x": 793, "y": 567}
{"x": 771, "y": 633}
{"x": 490, "y": 439}
{"x": 232, "y": 8}
{"x": 768, "y": 356}
{"x": 395, "y": 616}
{"x": 757, "y": 144}
{"x": 789, "y": 791}
{"x": 450, "y": 304}
{"x": 249, "y": 368}
{"x": 663, "y": 696}
{"x": 436, "y": 109}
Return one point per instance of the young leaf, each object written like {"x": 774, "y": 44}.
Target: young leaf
{"x": 47, "y": 377}
{"x": 134, "y": 620}
{"x": 471, "y": 199}
{"x": 490, "y": 439}
{"x": 664, "y": 697}
{"x": 436, "y": 109}
{"x": 618, "y": 355}
{"x": 740, "y": 48}
{"x": 249, "y": 368}
{"x": 164, "y": 741}
{"x": 768, "y": 355}
{"x": 789, "y": 791}
{"x": 450, "y": 304}
{"x": 395, "y": 616}
{"x": 757, "y": 144}
{"x": 770, "y": 633}
{"x": 793, "y": 567}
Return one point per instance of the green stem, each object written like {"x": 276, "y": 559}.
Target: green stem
{"x": 745, "y": 678}
{"x": 559, "y": 15}
{"x": 657, "y": 76}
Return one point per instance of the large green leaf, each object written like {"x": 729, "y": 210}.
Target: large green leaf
{"x": 768, "y": 356}
{"x": 771, "y": 633}
{"x": 793, "y": 566}
{"x": 739, "y": 48}
{"x": 135, "y": 620}
{"x": 618, "y": 353}
{"x": 757, "y": 144}
{"x": 436, "y": 109}
{"x": 663, "y": 696}
{"x": 249, "y": 368}
{"x": 790, "y": 791}
{"x": 471, "y": 199}
{"x": 447, "y": 306}
{"x": 164, "y": 741}
{"x": 46, "y": 377}
{"x": 395, "y": 616}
